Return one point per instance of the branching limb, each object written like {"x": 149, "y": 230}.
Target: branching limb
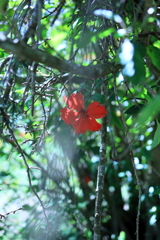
{"x": 29, "y": 177}
{"x": 132, "y": 160}
{"x": 100, "y": 183}
{"x": 5, "y": 214}
{"x": 25, "y": 52}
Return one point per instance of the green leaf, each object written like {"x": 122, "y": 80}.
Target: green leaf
{"x": 139, "y": 68}
{"x": 10, "y": 12}
{"x": 27, "y": 207}
{"x": 139, "y": 47}
{"x": 117, "y": 121}
{"x": 98, "y": 97}
{"x": 103, "y": 34}
{"x": 3, "y": 5}
{"x": 157, "y": 44}
{"x": 156, "y": 139}
{"x": 89, "y": 143}
{"x": 94, "y": 36}
{"x": 149, "y": 111}
{"x": 95, "y": 150}
{"x": 154, "y": 54}
{"x": 134, "y": 109}
{"x": 1, "y": 53}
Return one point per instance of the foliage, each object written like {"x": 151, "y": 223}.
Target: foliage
{"x": 108, "y": 51}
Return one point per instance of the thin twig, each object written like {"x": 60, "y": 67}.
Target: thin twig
{"x": 132, "y": 160}
{"x": 100, "y": 183}
{"x": 34, "y": 68}
{"x": 39, "y": 167}
{"x": 5, "y": 214}
{"x": 29, "y": 177}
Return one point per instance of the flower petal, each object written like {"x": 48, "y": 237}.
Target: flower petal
{"x": 84, "y": 123}
{"x": 75, "y": 101}
{"x": 93, "y": 125}
{"x": 96, "y": 110}
{"x": 68, "y": 116}
{"x": 80, "y": 125}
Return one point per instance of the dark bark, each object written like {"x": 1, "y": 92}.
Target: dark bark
{"x": 25, "y": 52}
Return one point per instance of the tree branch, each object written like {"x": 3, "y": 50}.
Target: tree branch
{"x": 25, "y": 52}
{"x": 5, "y": 214}
{"x": 132, "y": 160}
{"x": 100, "y": 182}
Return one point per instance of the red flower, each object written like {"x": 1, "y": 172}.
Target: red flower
{"x": 82, "y": 119}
